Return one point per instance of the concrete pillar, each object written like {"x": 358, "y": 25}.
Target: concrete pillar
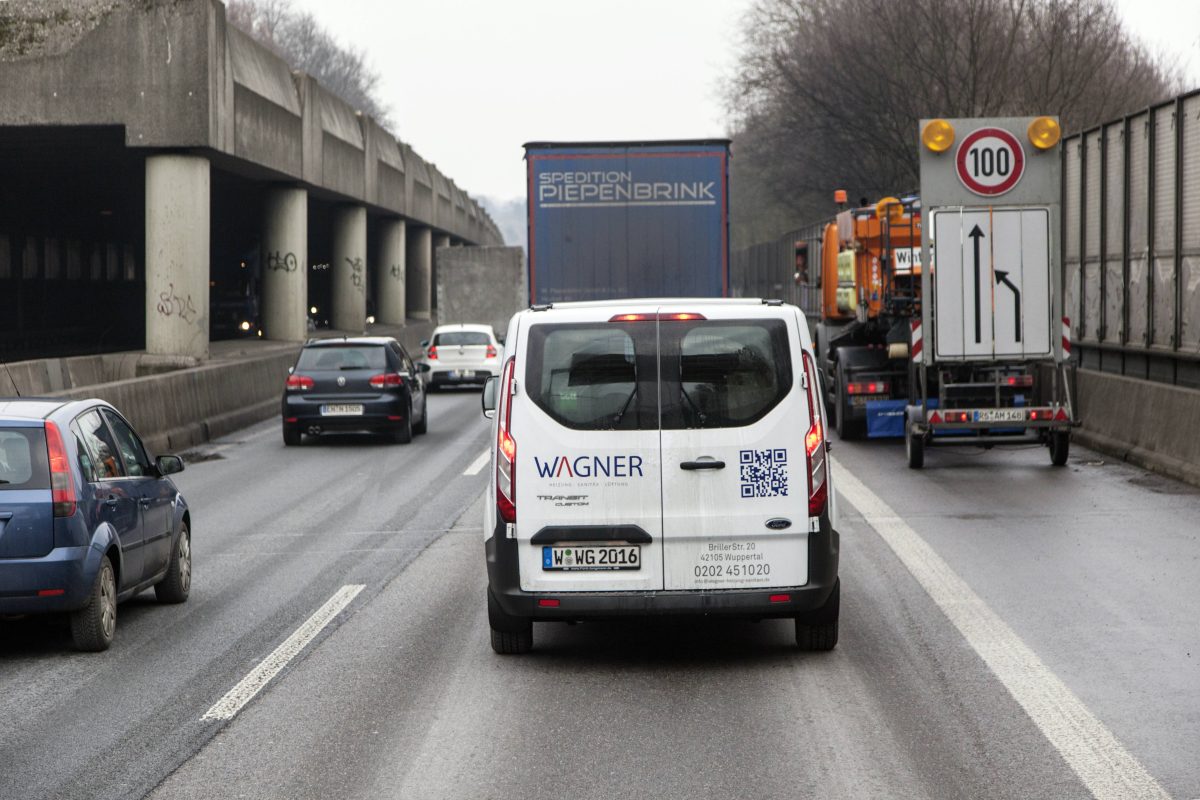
{"x": 419, "y": 287}
{"x": 349, "y": 267}
{"x": 285, "y": 264}
{"x": 389, "y": 272}
{"x": 439, "y": 240}
{"x": 177, "y": 254}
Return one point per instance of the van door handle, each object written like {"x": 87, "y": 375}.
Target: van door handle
{"x": 111, "y": 502}
{"x": 706, "y": 464}
{"x": 145, "y": 501}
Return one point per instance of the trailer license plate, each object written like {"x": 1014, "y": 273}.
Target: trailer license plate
{"x": 342, "y": 410}
{"x": 591, "y": 557}
{"x": 1000, "y": 415}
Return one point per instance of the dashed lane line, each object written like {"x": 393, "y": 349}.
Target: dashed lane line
{"x": 478, "y": 464}
{"x": 236, "y": 698}
{"x": 1107, "y": 769}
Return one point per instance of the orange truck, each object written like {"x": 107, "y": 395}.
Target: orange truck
{"x": 870, "y": 292}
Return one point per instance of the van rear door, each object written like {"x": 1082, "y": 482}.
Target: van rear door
{"x": 734, "y": 469}
{"x": 585, "y": 424}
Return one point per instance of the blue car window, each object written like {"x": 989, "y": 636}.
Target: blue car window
{"x": 100, "y": 446}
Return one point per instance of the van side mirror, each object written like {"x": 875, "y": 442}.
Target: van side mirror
{"x": 489, "y": 397}
{"x": 168, "y": 465}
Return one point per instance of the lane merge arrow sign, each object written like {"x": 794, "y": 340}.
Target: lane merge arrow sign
{"x": 977, "y": 234}
{"x": 1002, "y": 277}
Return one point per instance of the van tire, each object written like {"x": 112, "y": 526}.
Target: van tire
{"x": 914, "y": 447}
{"x": 817, "y": 630}
{"x": 1060, "y": 447}
{"x": 94, "y": 626}
{"x": 510, "y": 635}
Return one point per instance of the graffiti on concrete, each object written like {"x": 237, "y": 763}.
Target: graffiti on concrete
{"x": 171, "y": 304}
{"x": 282, "y": 262}
{"x": 396, "y": 272}
{"x": 356, "y": 272}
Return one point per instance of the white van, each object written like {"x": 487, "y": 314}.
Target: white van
{"x": 659, "y": 457}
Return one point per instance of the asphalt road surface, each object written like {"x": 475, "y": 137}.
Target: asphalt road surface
{"x": 1008, "y": 630}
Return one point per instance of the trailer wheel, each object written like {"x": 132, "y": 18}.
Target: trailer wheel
{"x": 914, "y": 447}
{"x": 1060, "y": 447}
{"x": 847, "y": 428}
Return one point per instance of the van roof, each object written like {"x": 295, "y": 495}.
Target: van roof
{"x": 657, "y": 301}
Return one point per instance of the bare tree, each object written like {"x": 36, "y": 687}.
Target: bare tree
{"x": 304, "y": 43}
{"x": 828, "y": 92}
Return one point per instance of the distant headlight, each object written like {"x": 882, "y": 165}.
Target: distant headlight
{"x": 245, "y": 326}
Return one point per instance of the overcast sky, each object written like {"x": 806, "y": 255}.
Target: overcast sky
{"x": 469, "y": 81}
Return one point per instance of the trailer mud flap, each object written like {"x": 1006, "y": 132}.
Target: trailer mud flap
{"x": 885, "y": 418}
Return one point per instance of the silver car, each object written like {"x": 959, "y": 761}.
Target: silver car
{"x": 460, "y": 355}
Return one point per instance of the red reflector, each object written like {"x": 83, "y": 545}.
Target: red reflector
{"x": 291, "y": 419}
{"x": 392, "y": 418}
{"x": 1061, "y": 416}
{"x": 781, "y": 598}
{"x": 547, "y": 602}
{"x": 935, "y": 418}
{"x": 51, "y": 592}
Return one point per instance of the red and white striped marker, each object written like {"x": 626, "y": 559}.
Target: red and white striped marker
{"x": 1066, "y": 338}
{"x": 916, "y": 340}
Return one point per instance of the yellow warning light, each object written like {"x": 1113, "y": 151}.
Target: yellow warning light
{"x": 839, "y": 195}
{"x": 1044, "y": 132}
{"x": 889, "y": 207}
{"x": 937, "y": 135}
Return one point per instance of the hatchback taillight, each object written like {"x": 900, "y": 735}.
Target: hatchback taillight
{"x": 300, "y": 383}
{"x": 431, "y": 353}
{"x": 386, "y": 379}
{"x": 491, "y": 351}
{"x": 62, "y": 485}
{"x": 506, "y": 449}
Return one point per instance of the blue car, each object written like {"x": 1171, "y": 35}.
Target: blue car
{"x": 87, "y": 518}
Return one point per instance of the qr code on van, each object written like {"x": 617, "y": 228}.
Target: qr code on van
{"x": 764, "y": 473}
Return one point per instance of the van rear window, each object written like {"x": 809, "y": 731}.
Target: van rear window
{"x": 591, "y": 377}
{"x": 23, "y": 463}
{"x": 724, "y": 374}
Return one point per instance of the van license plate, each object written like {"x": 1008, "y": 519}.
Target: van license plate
{"x": 342, "y": 410}
{"x": 591, "y": 557}
{"x": 1000, "y": 415}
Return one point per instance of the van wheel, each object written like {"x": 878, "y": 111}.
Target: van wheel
{"x": 817, "y": 630}
{"x": 914, "y": 447}
{"x": 510, "y": 635}
{"x": 175, "y": 586}
{"x": 94, "y": 625}
{"x": 291, "y": 436}
{"x": 1060, "y": 447}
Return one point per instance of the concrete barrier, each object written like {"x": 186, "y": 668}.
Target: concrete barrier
{"x": 1153, "y": 425}
{"x": 481, "y": 284}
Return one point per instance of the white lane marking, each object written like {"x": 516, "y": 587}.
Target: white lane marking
{"x": 237, "y": 697}
{"x": 479, "y": 463}
{"x": 1107, "y": 769}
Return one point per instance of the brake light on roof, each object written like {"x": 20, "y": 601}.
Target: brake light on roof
{"x": 814, "y": 446}
{"x": 431, "y": 353}
{"x": 491, "y": 352}
{"x": 299, "y": 383}
{"x": 62, "y": 485}
{"x": 385, "y": 380}
{"x": 506, "y": 448}
{"x": 676, "y": 316}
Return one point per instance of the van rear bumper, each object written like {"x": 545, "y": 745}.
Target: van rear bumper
{"x": 505, "y": 583}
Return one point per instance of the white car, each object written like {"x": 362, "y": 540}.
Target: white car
{"x": 460, "y": 355}
{"x": 659, "y": 457}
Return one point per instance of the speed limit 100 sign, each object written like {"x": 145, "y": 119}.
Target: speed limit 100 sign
{"x": 990, "y": 161}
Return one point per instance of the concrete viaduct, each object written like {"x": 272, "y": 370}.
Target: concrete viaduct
{"x": 164, "y": 132}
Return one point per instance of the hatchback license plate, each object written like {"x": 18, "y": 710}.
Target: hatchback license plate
{"x": 591, "y": 557}
{"x": 461, "y": 373}
{"x": 1000, "y": 415}
{"x": 342, "y": 410}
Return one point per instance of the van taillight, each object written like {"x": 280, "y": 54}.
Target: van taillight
{"x": 385, "y": 380}
{"x": 431, "y": 353}
{"x": 299, "y": 382}
{"x": 62, "y": 485}
{"x": 814, "y": 446}
{"x": 506, "y": 449}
